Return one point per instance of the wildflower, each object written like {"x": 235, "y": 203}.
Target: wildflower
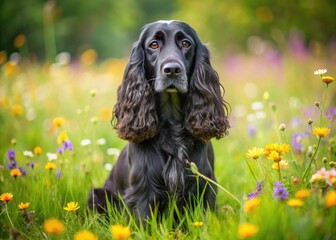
{"x": 279, "y": 148}
{"x": 11, "y": 164}
{"x": 101, "y": 141}
{"x": 254, "y": 152}
{"x": 28, "y": 154}
{"x": 11, "y": 154}
{"x": 120, "y": 232}
{"x": 72, "y": 207}
{"x": 198, "y": 224}
{"x": 327, "y": 79}
{"x": 283, "y": 165}
{"x": 85, "y": 142}
{"x": 256, "y": 193}
{"x": 280, "y": 192}
{"x": 58, "y": 122}
{"x": 105, "y": 113}
{"x": 17, "y": 110}
{"x": 274, "y": 156}
{"x": 6, "y": 197}
{"x": 247, "y": 230}
{"x": 62, "y": 137}
{"x": 15, "y": 173}
{"x": 251, "y": 204}
{"x": 321, "y": 132}
{"x": 53, "y": 226}
{"x": 32, "y": 164}
{"x": 296, "y": 142}
{"x": 282, "y": 127}
{"x": 330, "y": 200}
{"x": 113, "y": 152}
{"x": 85, "y": 235}
{"x": 324, "y": 176}
{"x": 23, "y": 172}
{"x": 88, "y": 57}
{"x": 67, "y": 145}
{"x": 50, "y": 166}
{"x": 19, "y": 40}
{"x": 294, "y": 202}
{"x": 320, "y": 71}
{"x": 51, "y": 156}
{"x": 302, "y": 194}
{"x": 23, "y": 206}
{"x": 38, "y": 150}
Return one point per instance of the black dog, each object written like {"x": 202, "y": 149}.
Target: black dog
{"x": 169, "y": 107}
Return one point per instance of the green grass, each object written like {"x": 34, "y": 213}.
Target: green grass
{"x": 45, "y": 92}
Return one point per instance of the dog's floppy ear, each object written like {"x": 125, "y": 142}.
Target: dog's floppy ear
{"x": 134, "y": 116}
{"x": 206, "y": 111}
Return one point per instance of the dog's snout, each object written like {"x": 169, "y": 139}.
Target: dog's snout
{"x": 172, "y": 69}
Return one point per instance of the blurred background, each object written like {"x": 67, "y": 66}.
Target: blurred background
{"x": 110, "y": 26}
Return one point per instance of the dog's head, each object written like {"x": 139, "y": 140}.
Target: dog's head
{"x": 170, "y": 58}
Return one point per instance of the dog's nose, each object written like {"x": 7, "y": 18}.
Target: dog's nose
{"x": 172, "y": 69}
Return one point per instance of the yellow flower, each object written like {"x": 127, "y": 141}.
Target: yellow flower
{"x": 71, "y": 207}
{"x": 327, "y": 79}
{"x": 251, "y": 204}
{"x": 120, "y": 232}
{"x": 19, "y": 41}
{"x": 17, "y": 110}
{"x": 85, "y": 235}
{"x": 15, "y": 172}
{"x": 247, "y": 230}
{"x": 254, "y": 152}
{"x": 294, "y": 202}
{"x": 6, "y": 197}
{"x": 274, "y": 156}
{"x": 62, "y": 137}
{"x": 50, "y": 166}
{"x": 105, "y": 113}
{"x": 198, "y": 224}
{"x": 283, "y": 165}
{"x": 302, "y": 194}
{"x": 321, "y": 132}
{"x": 58, "y": 122}
{"x": 53, "y": 226}
{"x": 24, "y": 206}
{"x": 330, "y": 200}
{"x": 279, "y": 148}
{"x": 10, "y": 69}
{"x": 88, "y": 57}
{"x": 38, "y": 150}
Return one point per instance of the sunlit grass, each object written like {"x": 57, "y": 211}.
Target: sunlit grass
{"x": 57, "y": 143}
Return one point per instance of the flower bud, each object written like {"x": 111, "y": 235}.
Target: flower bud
{"x": 282, "y": 127}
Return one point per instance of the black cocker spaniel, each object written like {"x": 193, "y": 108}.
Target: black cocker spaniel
{"x": 169, "y": 107}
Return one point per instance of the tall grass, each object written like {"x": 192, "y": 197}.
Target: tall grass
{"x": 33, "y": 97}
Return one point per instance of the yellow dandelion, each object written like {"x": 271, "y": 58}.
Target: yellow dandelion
{"x": 274, "y": 156}
{"x": 330, "y": 200}
{"x": 120, "y": 232}
{"x": 19, "y": 41}
{"x": 247, "y": 230}
{"x": 50, "y": 166}
{"x": 6, "y": 197}
{"x": 294, "y": 202}
{"x": 23, "y": 206}
{"x": 321, "y": 132}
{"x": 58, "y": 122}
{"x": 254, "y": 152}
{"x": 53, "y": 226}
{"x": 327, "y": 79}
{"x": 38, "y": 150}
{"x": 85, "y": 235}
{"x": 251, "y": 204}
{"x": 17, "y": 110}
{"x": 62, "y": 137}
{"x": 15, "y": 172}
{"x": 72, "y": 207}
{"x": 198, "y": 224}
{"x": 302, "y": 194}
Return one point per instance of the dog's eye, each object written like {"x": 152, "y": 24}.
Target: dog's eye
{"x": 186, "y": 44}
{"x": 154, "y": 45}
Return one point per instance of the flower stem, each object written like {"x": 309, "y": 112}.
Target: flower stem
{"x": 6, "y": 209}
{"x": 323, "y": 103}
{"x": 279, "y": 172}
{"x": 311, "y": 160}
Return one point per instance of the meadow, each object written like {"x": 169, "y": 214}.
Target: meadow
{"x": 276, "y": 168}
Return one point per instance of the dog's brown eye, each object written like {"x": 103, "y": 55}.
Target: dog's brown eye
{"x": 154, "y": 45}
{"x": 186, "y": 44}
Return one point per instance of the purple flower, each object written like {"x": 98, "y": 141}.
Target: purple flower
{"x": 12, "y": 164}
{"x": 296, "y": 143}
{"x": 23, "y": 172}
{"x": 252, "y": 130}
{"x": 11, "y": 154}
{"x": 67, "y": 145}
{"x": 32, "y": 164}
{"x": 279, "y": 191}
{"x": 257, "y": 192}
{"x": 60, "y": 151}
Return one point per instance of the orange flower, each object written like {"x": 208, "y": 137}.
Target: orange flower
{"x": 85, "y": 235}
{"x": 15, "y": 172}
{"x": 6, "y": 197}
{"x": 247, "y": 230}
{"x": 38, "y": 150}
{"x": 321, "y": 132}
{"x": 120, "y": 232}
{"x": 17, "y": 110}
{"x": 302, "y": 194}
{"x": 327, "y": 79}
{"x": 24, "y": 206}
{"x": 50, "y": 166}
{"x": 251, "y": 204}
{"x": 330, "y": 200}
{"x": 88, "y": 57}
{"x": 53, "y": 226}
